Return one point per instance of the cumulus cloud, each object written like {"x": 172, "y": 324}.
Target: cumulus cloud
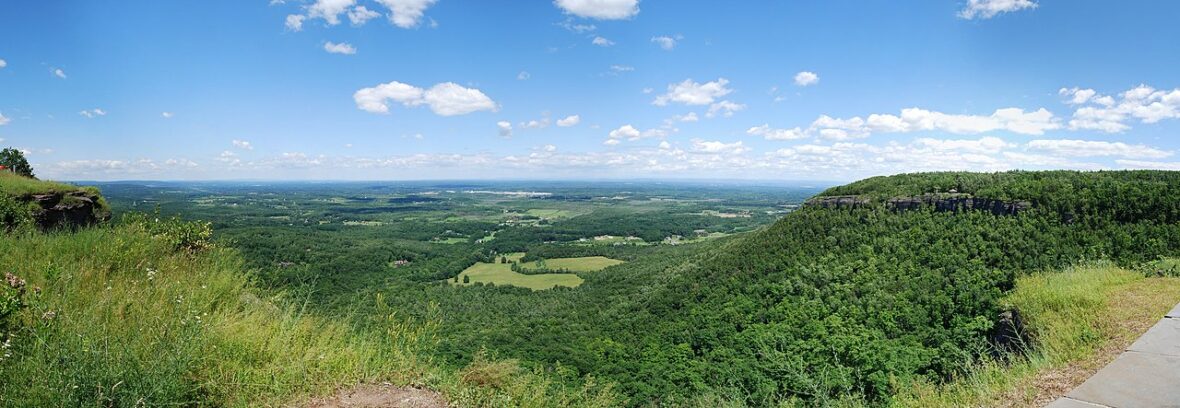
{"x": 806, "y": 78}
{"x": 1149, "y": 165}
{"x": 724, "y": 108}
{"x": 770, "y": 133}
{"x": 328, "y": 10}
{"x": 668, "y": 43}
{"x": 360, "y": 15}
{"x": 505, "y": 128}
{"x": 1089, "y": 148}
{"x": 339, "y": 48}
{"x": 600, "y": 9}
{"x": 625, "y": 132}
{"x": 4, "y": 120}
{"x": 718, "y": 147}
{"x": 618, "y": 69}
{"x": 602, "y": 41}
{"x": 690, "y": 92}
{"x": 1014, "y": 120}
{"x": 523, "y": 75}
{"x": 985, "y": 9}
{"x": 445, "y": 99}
{"x": 167, "y": 115}
{"x": 93, "y": 113}
{"x": 1109, "y": 114}
{"x": 242, "y": 144}
{"x": 57, "y": 72}
{"x": 295, "y": 22}
{"x": 406, "y": 13}
{"x": 3, "y": 63}
{"x": 535, "y": 124}
{"x": 571, "y": 120}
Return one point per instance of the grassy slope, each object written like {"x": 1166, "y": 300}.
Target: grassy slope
{"x": 1080, "y": 319}
{"x": 135, "y": 322}
{"x": 14, "y": 185}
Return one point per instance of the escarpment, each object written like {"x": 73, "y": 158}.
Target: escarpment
{"x": 950, "y": 202}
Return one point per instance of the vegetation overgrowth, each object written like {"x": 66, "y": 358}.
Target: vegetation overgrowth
{"x": 131, "y": 315}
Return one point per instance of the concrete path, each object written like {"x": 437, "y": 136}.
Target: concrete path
{"x": 1146, "y": 375}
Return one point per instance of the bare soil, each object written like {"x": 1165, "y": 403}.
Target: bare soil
{"x": 380, "y": 396}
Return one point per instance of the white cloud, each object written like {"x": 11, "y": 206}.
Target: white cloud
{"x": 611, "y": 142}
{"x": 167, "y": 115}
{"x": 984, "y": 145}
{"x": 4, "y": 120}
{"x": 985, "y": 9}
{"x": 328, "y": 10}
{"x": 339, "y": 48}
{"x": 1088, "y": 148}
{"x": 523, "y": 75}
{"x": 668, "y": 43}
{"x": 689, "y": 92}
{"x": 625, "y": 132}
{"x": 1149, "y": 165}
{"x": 618, "y": 69}
{"x": 93, "y": 113}
{"x": 724, "y": 108}
{"x": 242, "y": 144}
{"x": 446, "y": 99}
{"x": 1108, "y": 114}
{"x": 505, "y": 128}
{"x": 571, "y": 120}
{"x": 690, "y": 117}
{"x": 59, "y": 73}
{"x": 295, "y": 22}
{"x": 600, "y": 9}
{"x": 359, "y": 15}
{"x": 718, "y": 147}
{"x": 535, "y": 124}
{"x": 916, "y": 119}
{"x": 569, "y": 24}
{"x": 806, "y": 78}
{"x": 406, "y": 13}
{"x": 602, "y": 41}
{"x": 3, "y": 63}
{"x": 769, "y": 133}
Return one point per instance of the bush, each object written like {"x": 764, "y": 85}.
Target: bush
{"x": 14, "y": 160}
{"x": 191, "y": 236}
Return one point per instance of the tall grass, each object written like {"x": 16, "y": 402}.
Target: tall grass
{"x": 120, "y": 317}
{"x": 16, "y": 185}
{"x": 1074, "y": 318}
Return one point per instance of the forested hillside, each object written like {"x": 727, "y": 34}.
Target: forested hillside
{"x": 852, "y": 303}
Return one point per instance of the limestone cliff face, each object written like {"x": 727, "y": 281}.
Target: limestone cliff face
{"x": 939, "y": 202}
{"x": 71, "y": 209}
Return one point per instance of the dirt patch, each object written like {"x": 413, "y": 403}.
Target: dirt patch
{"x": 380, "y": 396}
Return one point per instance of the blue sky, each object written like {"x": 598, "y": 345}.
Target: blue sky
{"x": 578, "y": 89}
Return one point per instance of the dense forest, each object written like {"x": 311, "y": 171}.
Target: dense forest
{"x": 823, "y": 304}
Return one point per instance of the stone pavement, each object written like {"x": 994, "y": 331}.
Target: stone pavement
{"x": 1146, "y": 375}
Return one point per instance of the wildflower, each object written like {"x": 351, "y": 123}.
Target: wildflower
{"x": 151, "y": 273}
{"x": 14, "y": 281}
{"x": 49, "y": 315}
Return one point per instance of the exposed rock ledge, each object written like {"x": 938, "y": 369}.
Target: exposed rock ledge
{"x": 939, "y": 202}
{"x": 72, "y": 209}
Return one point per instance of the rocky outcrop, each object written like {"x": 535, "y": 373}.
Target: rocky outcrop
{"x": 837, "y": 202}
{"x": 951, "y": 202}
{"x": 958, "y": 202}
{"x": 73, "y": 209}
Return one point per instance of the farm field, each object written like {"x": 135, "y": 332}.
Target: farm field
{"x": 579, "y": 264}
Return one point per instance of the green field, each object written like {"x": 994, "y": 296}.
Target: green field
{"x": 502, "y": 273}
{"x": 548, "y": 213}
{"x": 582, "y": 264}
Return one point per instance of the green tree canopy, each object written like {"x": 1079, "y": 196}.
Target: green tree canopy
{"x": 14, "y": 160}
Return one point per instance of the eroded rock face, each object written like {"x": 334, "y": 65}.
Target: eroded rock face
{"x": 939, "y": 202}
{"x": 68, "y": 210}
{"x": 838, "y": 202}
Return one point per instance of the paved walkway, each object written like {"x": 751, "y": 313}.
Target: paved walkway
{"x": 1146, "y": 375}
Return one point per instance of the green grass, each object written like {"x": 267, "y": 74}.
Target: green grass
{"x": 450, "y": 240}
{"x": 502, "y": 274}
{"x": 1079, "y": 319}
{"x": 122, "y": 318}
{"x": 582, "y": 264}
{"x": 15, "y": 185}
{"x": 549, "y": 213}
